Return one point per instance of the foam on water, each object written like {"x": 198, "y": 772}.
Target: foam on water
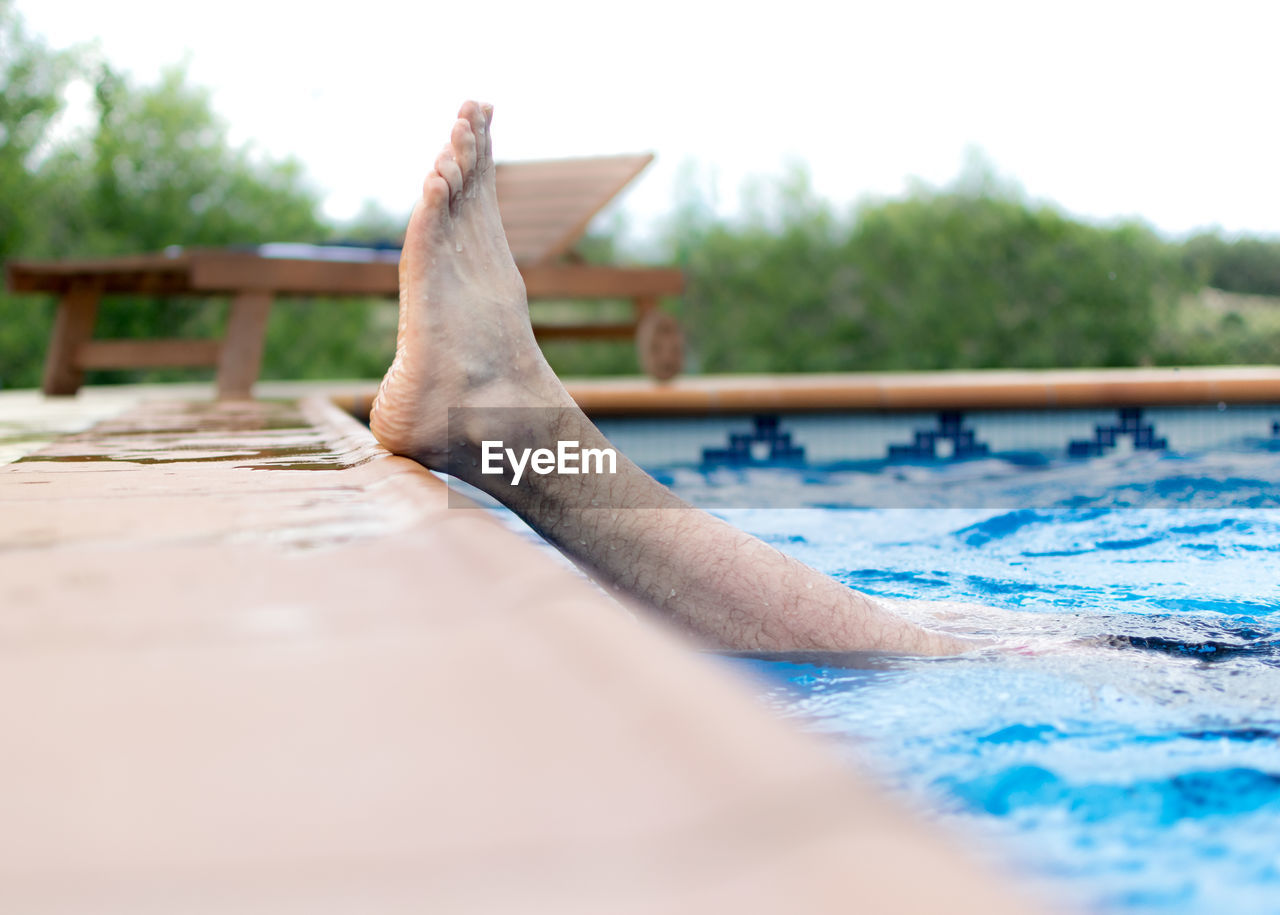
{"x": 1129, "y": 752}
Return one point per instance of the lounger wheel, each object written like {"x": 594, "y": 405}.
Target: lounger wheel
{"x": 660, "y": 345}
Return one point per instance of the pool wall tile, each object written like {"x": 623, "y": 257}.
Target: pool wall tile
{"x": 765, "y": 444}
{"x": 818, "y": 439}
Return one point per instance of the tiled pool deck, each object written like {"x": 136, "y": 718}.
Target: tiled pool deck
{"x": 255, "y": 664}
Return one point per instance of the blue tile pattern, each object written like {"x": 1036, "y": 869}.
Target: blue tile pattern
{"x": 766, "y": 444}
{"x": 963, "y": 442}
{"x": 1130, "y": 424}
{"x": 829, "y": 440}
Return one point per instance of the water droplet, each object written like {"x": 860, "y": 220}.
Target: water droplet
{"x": 457, "y": 246}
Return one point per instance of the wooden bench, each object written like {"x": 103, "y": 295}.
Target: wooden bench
{"x": 546, "y": 208}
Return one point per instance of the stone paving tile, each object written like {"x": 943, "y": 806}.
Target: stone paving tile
{"x": 237, "y": 685}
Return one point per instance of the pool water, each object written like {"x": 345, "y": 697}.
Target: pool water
{"x": 1128, "y": 757}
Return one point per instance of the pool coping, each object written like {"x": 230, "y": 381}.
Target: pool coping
{"x": 991, "y": 389}
{"x": 213, "y": 698}
{"x": 862, "y": 392}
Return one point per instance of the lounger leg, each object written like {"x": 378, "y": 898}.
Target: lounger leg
{"x": 241, "y": 356}
{"x": 72, "y": 326}
{"x": 659, "y": 343}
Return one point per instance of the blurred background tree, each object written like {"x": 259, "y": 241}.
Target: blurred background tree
{"x": 154, "y": 168}
{"x": 160, "y": 171}
{"x": 32, "y": 80}
{"x": 1246, "y": 265}
{"x": 972, "y": 275}
{"x": 968, "y": 276}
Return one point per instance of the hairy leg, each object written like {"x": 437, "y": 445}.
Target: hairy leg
{"x": 465, "y": 342}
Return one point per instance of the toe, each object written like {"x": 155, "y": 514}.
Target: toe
{"x": 479, "y": 117}
{"x": 428, "y": 224}
{"x": 463, "y": 141}
{"x": 448, "y": 169}
{"x": 435, "y": 199}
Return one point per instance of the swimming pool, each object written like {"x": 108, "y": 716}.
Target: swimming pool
{"x": 1129, "y": 755}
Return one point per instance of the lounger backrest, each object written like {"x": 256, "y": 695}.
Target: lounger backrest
{"x": 546, "y": 206}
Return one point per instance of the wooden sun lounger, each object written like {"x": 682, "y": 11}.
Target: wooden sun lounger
{"x": 546, "y": 208}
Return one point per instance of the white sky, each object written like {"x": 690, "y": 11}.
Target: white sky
{"x": 1164, "y": 111}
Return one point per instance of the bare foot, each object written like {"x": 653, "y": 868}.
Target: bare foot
{"x": 464, "y": 338}
{"x": 465, "y": 341}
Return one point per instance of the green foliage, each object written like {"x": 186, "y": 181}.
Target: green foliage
{"x": 32, "y": 79}
{"x": 965, "y": 277}
{"x": 576, "y": 359}
{"x": 25, "y": 325}
{"x": 330, "y": 338}
{"x": 1212, "y": 327}
{"x": 766, "y": 295}
{"x": 968, "y": 276}
{"x": 163, "y": 173}
{"x": 1249, "y": 265}
{"x": 156, "y": 169}
{"x": 953, "y": 280}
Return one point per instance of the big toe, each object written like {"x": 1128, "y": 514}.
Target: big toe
{"x": 463, "y": 141}
{"x": 479, "y": 116}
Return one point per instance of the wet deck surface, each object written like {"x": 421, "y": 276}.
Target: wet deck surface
{"x": 255, "y": 664}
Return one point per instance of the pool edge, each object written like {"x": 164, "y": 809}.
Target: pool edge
{"x": 669, "y": 788}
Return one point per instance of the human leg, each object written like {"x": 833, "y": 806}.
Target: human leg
{"x": 465, "y": 342}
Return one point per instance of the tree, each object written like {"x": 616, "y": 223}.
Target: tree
{"x": 970, "y": 276}
{"x": 157, "y": 169}
{"x": 975, "y": 281}
{"x": 1246, "y": 265}
{"x": 164, "y": 173}
{"x": 32, "y": 80}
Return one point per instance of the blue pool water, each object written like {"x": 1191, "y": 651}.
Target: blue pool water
{"x": 1129, "y": 757}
